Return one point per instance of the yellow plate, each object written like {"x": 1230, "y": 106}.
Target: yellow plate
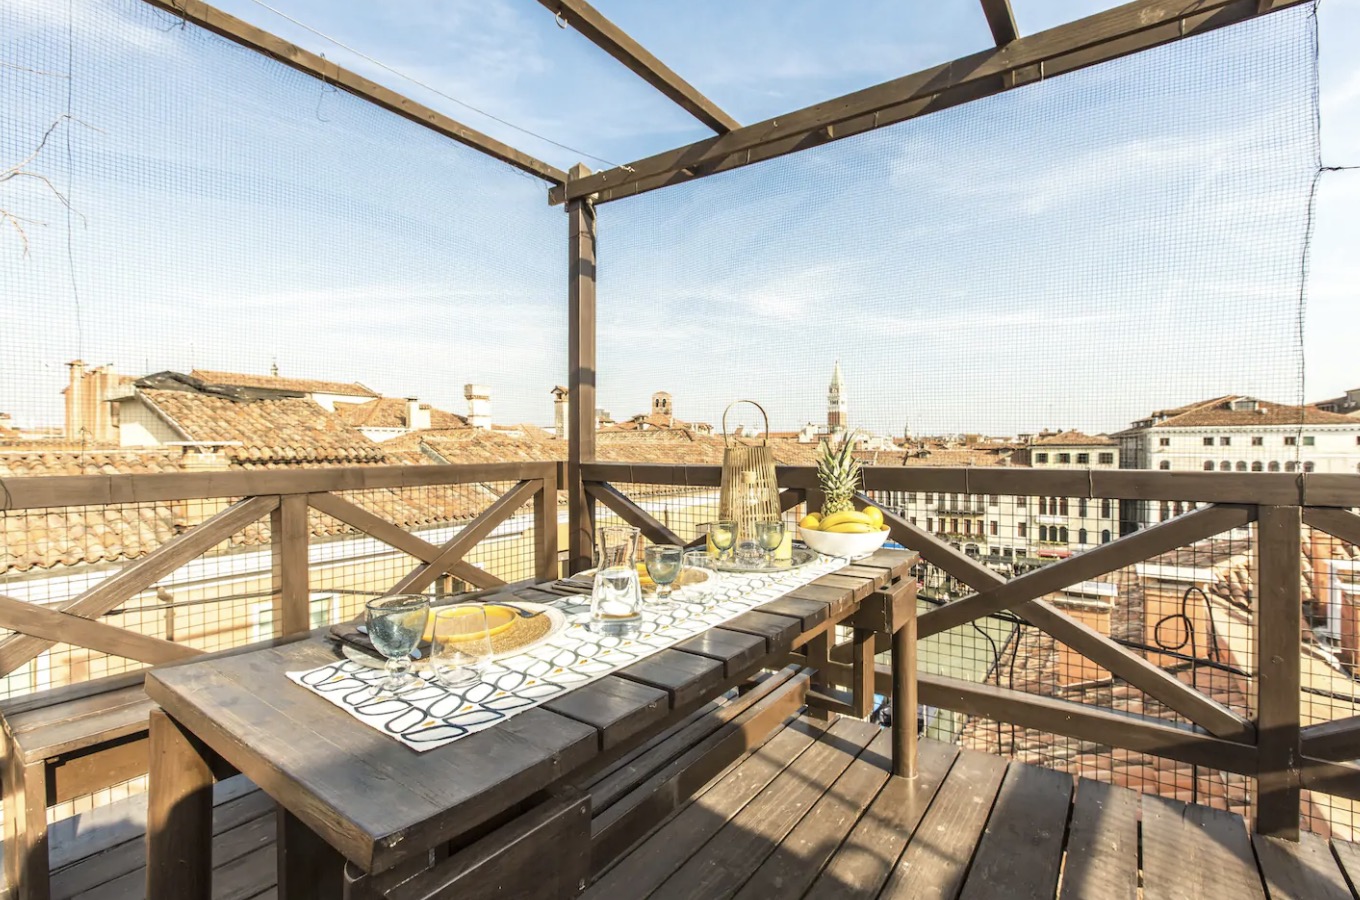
{"x": 498, "y": 619}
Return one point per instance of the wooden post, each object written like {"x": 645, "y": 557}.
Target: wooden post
{"x": 581, "y": 373}
{"x": 863, "y": 662}
{"x": 178, "y": 813}
{"x": 25, "y": 798}
{"x": 904, "y": 702}
{"x": 545, "y": 528}
{"x": 292, "y": 592}
{"x": 308, "y": 867}
{"x": 1279, "y": 570}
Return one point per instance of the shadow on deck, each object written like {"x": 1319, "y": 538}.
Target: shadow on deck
{"x": 813, "y": 813}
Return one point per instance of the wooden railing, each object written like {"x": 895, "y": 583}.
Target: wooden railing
{"x": 1270, "y": 744}
{"x": 284, "y": 497}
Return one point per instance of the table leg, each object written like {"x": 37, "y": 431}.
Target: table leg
{"x": 309, "y": 868}
{"x": 904, "y": 700}
{"x": 178, "y": 814}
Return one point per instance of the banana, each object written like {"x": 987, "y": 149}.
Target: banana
{"x": 852, "y": 528}
{"x": 839, "y": 518}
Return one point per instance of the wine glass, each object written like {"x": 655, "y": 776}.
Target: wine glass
{"x": 462, "y": 645}
{"x": 770, "y": 535}
{"x": 663, "y": 565}
{"x": 395, "y": 625}
{"x": 723, "y": 534}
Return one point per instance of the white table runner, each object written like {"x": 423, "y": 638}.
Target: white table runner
{"x": 432, "y": 715}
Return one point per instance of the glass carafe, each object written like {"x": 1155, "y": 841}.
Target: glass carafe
{"x": 616, "y": 600}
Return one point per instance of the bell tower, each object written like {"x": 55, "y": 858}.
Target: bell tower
{"x": 836, "y": 417}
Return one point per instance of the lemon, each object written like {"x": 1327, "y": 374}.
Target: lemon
{"x": 811, "y": 522}
{"x": 875, "y": 516}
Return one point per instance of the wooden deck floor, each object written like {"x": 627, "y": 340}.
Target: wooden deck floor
{"x": 814, "y": 814}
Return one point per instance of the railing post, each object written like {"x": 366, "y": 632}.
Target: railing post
{"x": 904, "y": 695}
{"x": 545, "y": 528}
{"x": 292, "y": 592}
{"x": 1278, "y": 630}
{"x": 581, "y": 374}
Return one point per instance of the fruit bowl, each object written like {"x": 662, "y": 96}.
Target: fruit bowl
{"x": 830, "y": 543}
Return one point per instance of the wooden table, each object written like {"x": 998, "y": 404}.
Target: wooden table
{"x": 347, "y": 791}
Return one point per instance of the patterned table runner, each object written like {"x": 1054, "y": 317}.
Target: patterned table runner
{"x": 432, "y": 715}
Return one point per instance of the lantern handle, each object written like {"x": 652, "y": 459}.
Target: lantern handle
{"x": 726, "y": 441}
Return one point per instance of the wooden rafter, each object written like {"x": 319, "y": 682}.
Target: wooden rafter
{"x": 261, "y": 41}
{"x": 619, "y": 44}
{"x": 631, "y": 513}
{"x": 57, "y": 626}
{"x": 1001, "y": 19}
{"x": 1117, "y": 32}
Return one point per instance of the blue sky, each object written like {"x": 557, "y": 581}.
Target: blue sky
{"x": 982, "y": 269}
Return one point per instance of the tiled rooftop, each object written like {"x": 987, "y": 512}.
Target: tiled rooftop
{"x": 1219, "y": 412}
{"x": 390, "y": 412}
{"x": 277, "y": 383}
{"x": 1074, "y": 439}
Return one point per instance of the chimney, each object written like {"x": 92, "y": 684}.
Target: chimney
{"x": 479, "y": 405}
{"x": 417, "y": 415}
{"x": 561, "y": 409}
{"x": 75, "y": 408}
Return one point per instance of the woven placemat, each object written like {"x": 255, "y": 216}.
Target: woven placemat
{"x": 521, "y": 634}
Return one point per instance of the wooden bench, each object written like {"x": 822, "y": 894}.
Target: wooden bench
{"x": 560, "y": 842}
{"x": 59, "y": 745}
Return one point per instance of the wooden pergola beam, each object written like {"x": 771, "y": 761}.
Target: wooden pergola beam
{"x": 261, "y": 41}
{"x": 619, "y": 44}
{"x": 1117, "y": 32}
{"x": 1001, "y": 19}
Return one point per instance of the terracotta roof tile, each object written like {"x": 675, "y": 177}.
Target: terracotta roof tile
{"x": 276, "y": 383}
{"x": 1218, "y": 413}
{"x": 390, "y": 412}
{"x": 1075, "y": 439}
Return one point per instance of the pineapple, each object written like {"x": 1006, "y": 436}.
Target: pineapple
{"x": 838, "y": 472}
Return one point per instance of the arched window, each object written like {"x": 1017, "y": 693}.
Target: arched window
{"x": 1164, "y": 464}
{"x": 1105, "y": 536}
{"x": 1062, "y": 534}
{"x": 1081, "y": 508}
{"x": 1043, "y": 506}
{"x": 1043, "y": 532}
{"x": 1274, "y": 467}
{"x": 1063, "y": 507}
{"x": 1105, "y": 507}
{"x": 1208, "y": 465}
{"x": 1291, "y": 466}
{"x": 1225, "y": 466}
{"x": 1308, "y": 466}
{"x": 1241, "y": 466}
{"x": 1081, "y": 536}
{"x": 1256, "y": 466}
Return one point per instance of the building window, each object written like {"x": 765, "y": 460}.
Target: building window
{"x": 1291, "y": 466}
{"x": 1258, "y": 441}
{"x": 1208, "y": 442}
{"x": 1256, "y": 466}
{"x": 1064, "y": 458}
{"x": 911, "y": 496}
{"x": 1308, "y": 466}
{"x": 930, "y": 524}
{"x": 967, "y": 526}
{"x": 1083, "y": 459}
{"x": 1274, "y": 467}
{"x": 1164, "y": 465}
{"x": 1105, "y": 508}
{"x": 1043, "y": 532}
{"x": 320, "y": 610}
{"x": 1043, "y": 506}
{"x": 953, "y": 526}
{"x": 1166, "y": 510}
{"x": 1062, "y": 506}
{"x": 1105, "y": 536}
{"x": 1208, "y": 465}
{"x": 1178, "y": 509}
{"x": 1020, "y": 529}
{"x": 912, "y": 520}
{"x": 1062, "y": 534}
{"x": 1081, "y": 536}
{"x": 1225, "y": 466}
{"x": 1241, "y": 466}
{"x": 1290, "y": 440}
{"x": 994, "y": 500}
{"x": 1020, "y": 502}
{"x": 1106, "y": 459}
{"x": 261, "y": 621}
{"x": 1081, "y": 508}
{"x": 930, "y": 498}
{"x": 994, "y": 528}
{"x": 1309, "y": 440}
{"x": 1041, "y": 457}
{"x": 1225, "y": 442}
{"x": 1163, "y": 442}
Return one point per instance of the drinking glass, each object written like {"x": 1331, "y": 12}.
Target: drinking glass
{"x": 395, "y": 625}
{"x": 699, "y": 559}
{"x": 462, "y": 645}
{"x": 769, "y": 535}
{"x": 663, "y": 565}
{"x": 616, "y": 599}
{"x": 723, "y": 534}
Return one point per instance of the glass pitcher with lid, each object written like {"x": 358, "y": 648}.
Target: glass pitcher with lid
{"x": 616, "y": 599}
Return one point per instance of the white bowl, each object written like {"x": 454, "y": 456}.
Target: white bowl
{"x": 831, "y": 543}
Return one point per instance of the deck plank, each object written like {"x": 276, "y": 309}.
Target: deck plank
{"x": 1348, "y": 856}
{"x": 813, "y": 841}
{"x": 865, "y": 860}
{"x": 753, "y": 834}
{"x": 1021, "y": 848}
{"x": 652, "y": 861}
{"x": 1196, "y": 852}
{"x": 1102, "y": 843}
{"x": 935, "y": 860}
{"x": 1300, "y": 871}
